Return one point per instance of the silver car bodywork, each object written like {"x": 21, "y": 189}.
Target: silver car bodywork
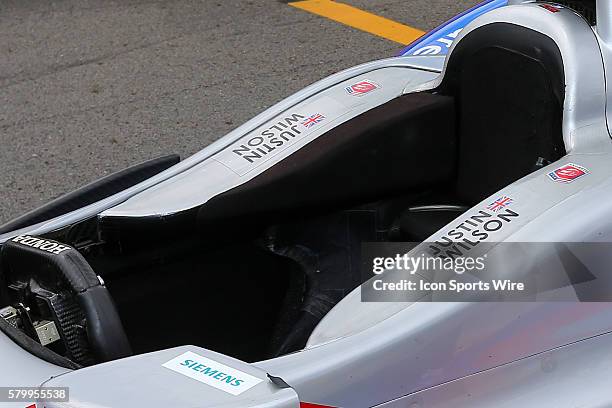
{"x": 395, "y": 354}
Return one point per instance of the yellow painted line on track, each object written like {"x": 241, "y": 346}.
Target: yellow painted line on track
{"x": 362, "y": 20}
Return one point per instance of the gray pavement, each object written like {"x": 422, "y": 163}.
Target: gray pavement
{"x": 88, "y": 87}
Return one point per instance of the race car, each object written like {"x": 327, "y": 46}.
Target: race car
{"x": 235, "y": 277}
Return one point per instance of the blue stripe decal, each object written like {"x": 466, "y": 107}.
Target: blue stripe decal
{"x": 439, "y": 40}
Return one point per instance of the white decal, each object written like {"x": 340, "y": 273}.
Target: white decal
{"x": 212, "y": 373}
{"x": 51, "y": 247}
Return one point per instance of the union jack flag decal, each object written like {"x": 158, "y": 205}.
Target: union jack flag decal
{"x": 313, "y": 120}
{"x": 500, "y": 203}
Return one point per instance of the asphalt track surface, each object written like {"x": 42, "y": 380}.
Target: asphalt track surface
{"x": 89, "y": 87}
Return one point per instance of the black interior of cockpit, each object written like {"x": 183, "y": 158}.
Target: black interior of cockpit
{"x": 252, "y": 272}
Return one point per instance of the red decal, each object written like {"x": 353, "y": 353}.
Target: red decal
{"x": 310, "y": 405}
{"x": 550, "y": 8}
{"x": 362, "y": 88}
{"x": 568, "y": 173}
